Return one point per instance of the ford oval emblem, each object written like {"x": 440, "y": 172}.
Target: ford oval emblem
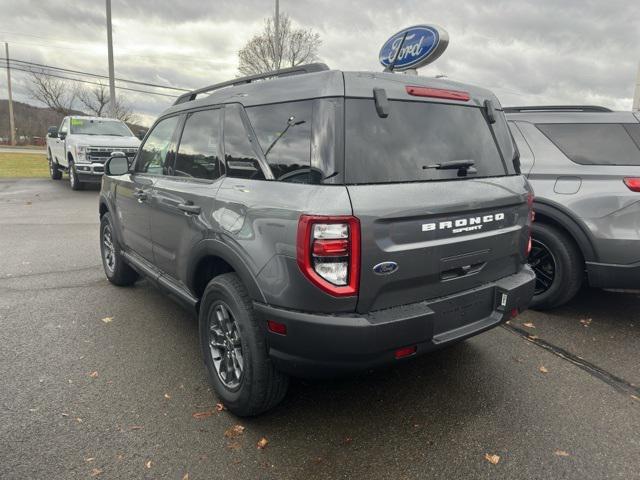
{"x": 385, "y": 268}
{"x": 422, "y": 45}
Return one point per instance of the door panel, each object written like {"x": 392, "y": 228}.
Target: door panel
{"x": 132, "y": 200}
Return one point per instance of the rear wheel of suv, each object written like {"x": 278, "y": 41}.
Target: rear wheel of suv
{"x": 73, "y": 177}
{"x": 234, "y": 349}
{"x": 116, "y": 269}
{"x": 558, "y": 265}
{"x": 54, "y": 171}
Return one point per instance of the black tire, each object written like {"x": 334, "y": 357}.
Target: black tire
{"x": 568, "y": 272}
{"x": 73, "y": 178}
{"x": 118, "y": 272}
{"x": 260, "y": 386}
{"x": 54, "y": 171}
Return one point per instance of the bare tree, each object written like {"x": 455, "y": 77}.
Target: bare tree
{"x": 57, "y": 94}
{"x": 96, "y": 102}
{"x": 264, "y": 52}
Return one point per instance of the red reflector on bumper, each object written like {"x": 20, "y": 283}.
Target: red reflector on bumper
{"x": 633, "y": 184}
{"x": 276, "y": 327}
{"x": 514, "y": 313}
{"x": 405, "y": 352}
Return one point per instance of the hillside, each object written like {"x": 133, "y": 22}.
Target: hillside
{"x": 32, "y": 121}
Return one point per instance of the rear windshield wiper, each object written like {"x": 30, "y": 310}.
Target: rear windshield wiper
{"x": 464, "y": 167}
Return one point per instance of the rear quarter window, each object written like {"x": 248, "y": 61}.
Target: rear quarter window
{"x": 594, "y": 143}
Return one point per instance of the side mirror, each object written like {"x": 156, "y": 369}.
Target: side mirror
{"x": 117, "y": 164}
{"x": 52, "y": 132}
{"x": 141, "y": 134}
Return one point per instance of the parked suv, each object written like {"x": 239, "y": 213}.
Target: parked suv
{"x": 82, "y": 144}
{"x": 584, "y": 165}
{"x": 322, "y": 222}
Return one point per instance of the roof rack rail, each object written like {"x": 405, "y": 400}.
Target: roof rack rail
{"x": 284, "y": 72}
{"x": 557, "y": 108}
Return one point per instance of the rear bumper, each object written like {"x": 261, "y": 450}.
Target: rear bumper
{"x": 606, "y": 275}
{"x": 324, "y": 345}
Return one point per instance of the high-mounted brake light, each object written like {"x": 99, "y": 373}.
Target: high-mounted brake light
{"x": 328, "y": 250}
{"x": 437, "y": 93}
{"x": 633, "y": 183}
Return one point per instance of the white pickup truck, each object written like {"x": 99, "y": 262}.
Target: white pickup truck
{"x": 82, "y": 144}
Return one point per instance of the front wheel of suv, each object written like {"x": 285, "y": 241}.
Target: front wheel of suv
{"x": 234, "y": 349}
{"x": 116, "y": 269}
{"x": 558, "y": 265}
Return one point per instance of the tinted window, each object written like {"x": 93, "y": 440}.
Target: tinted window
{"x": 198, "y": 155}
{"x": 416, "y": 136}
{"x": 284, "y": 133}
{"x": 240, "y": 157}
{"x": 593, "y": 143}
{"x": 633, "y": 129}
{"x": 157, "y": 147}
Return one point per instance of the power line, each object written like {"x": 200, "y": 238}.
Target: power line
{"x": 97, "y": 75}
{"x": 27, "y": 70}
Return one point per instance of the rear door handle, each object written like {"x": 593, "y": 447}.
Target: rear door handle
{"x": 190, "y": 208}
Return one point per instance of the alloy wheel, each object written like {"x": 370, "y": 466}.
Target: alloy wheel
{"x": 225, "y": 345}
{"x": 108, "y": 250}
{"x": 544, "y": 264}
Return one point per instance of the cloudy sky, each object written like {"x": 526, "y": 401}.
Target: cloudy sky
{"x": 527, "y": 51}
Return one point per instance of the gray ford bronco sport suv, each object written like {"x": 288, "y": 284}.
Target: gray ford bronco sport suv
{"x": 584, "y": 165}
{"x": 322, "y": 222}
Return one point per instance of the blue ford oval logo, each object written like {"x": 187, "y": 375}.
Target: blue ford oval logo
{"x": 422, "y": 45}
{"x": 385, "y": 268}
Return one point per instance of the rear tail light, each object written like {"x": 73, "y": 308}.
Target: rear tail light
{"x": 633, "y": 183}
{"x": 329, "y": 252}
{"x": 437, "y": 93}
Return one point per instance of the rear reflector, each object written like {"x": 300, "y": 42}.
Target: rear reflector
{"x": 632, "y": 183}
{"x": 514, "y": 313}
{"x": 277, "y": 327}
{"x": 437, "y": 93}
{"x": 405, "y": 352}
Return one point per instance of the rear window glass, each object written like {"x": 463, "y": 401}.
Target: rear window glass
{"x": 416, "y": 136}
{"x": 593, "y": 143}
{"x": 284, "y": 133}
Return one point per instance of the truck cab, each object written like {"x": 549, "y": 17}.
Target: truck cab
{"x": 81, "y": 145}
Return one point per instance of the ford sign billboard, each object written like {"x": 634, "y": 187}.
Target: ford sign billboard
{"x": 422, "y": 45}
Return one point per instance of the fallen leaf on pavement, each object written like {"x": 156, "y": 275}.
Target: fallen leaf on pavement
{"x": 561, "y": 453}
{"x": 147, "y": 464}
{"x": 167, "y": 396}
{"x": 635, "y": 397}
{"x": 233, "y": 446}
{"x": 533, "y": 337}
{"x": 492, "y": 458}
{"x": 95, "y": 472}
{"x": 543, "y": 369}
{"x": 528, "y": 325}
{"x": 200, "y": 415}
{"x": 78, "y": 419}
{"x": 585, "y": 322}
{"x": 219, "y": 407}
{"x": 262, "y": 443}
{"x": 234, "y": 431}
{"x": 185, "y": 476}
{"x": 64, "y": 414}
{"x": 136, "y": 427}
{"x": 90, "y": 459}
{"x": 107, "y": 319}
{"x": 94, "y": 374}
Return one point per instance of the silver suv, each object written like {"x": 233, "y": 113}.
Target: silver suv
{"x": 584, "y": 165}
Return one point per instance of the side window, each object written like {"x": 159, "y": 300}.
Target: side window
{"x": 526, "y": 156}
{"x": 198, "y": 155}
{"x": 284, "y": 133}
{"x": 240, "y": 158}
{"x": 64, "y": 126}
{"x": 157, "y": 147}
{"x": 593, "y": 143}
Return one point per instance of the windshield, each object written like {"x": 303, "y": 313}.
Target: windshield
{"x": 94, "y": 126}
{"x": 418, "y": 141}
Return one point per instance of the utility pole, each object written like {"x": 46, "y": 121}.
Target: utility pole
{"x": 112, "y": 82}
{"x": 636, "y": 93}
{"x": 276, "y": 23}
{"x": 12, "y": 124}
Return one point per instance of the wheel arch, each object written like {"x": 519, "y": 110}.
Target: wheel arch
{"x": 213, "y": 257}
{"x": 558, "y": 216}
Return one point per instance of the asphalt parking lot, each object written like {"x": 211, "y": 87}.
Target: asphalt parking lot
{"x": 104, "y": 382}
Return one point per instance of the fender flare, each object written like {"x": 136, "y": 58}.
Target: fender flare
{"x": 217, "y": 248}
{"x": 576, "y": 228}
